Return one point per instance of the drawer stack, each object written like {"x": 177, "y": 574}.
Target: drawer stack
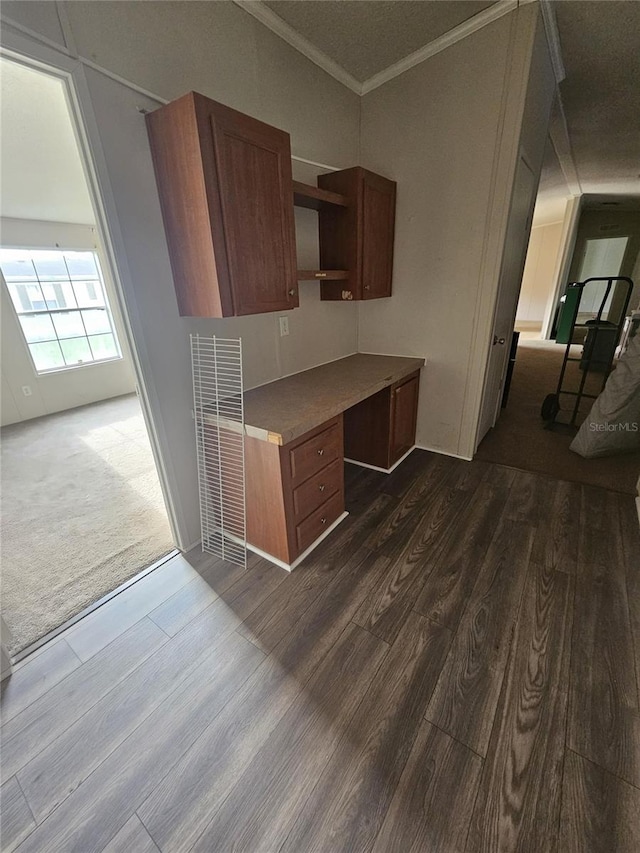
{"x": 316, "y": 472}
{"x": 294, "y": 492}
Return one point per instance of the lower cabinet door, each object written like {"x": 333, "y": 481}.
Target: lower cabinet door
{"x": 404, "y": 413}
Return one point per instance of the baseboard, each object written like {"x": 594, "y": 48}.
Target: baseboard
{"x": 444, "y": 452}
{"x": 289, "y": 567}
{"x": 529, "y": 326}
{"x": 6, "y": 668}
{"x": 376, "y": 467}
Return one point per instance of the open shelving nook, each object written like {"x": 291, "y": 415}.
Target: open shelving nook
{"x": 356, "y": 218}
{"x": 314, "y": 198}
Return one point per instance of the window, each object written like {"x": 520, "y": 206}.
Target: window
{"x": 62, "y": 307}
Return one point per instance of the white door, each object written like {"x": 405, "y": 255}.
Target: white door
{"x": 515, "y": 251}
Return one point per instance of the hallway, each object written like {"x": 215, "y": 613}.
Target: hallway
{"x": 520, "y": 440}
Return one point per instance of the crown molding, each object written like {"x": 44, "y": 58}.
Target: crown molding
{"x": 276, "y": 24}
{"x": 466, "y": 28}
{"x": 553, "y": 39}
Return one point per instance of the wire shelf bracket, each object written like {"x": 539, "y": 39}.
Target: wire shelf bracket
{"x": 218, "y": 408}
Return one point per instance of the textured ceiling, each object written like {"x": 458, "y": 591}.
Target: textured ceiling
{"x": 40, "y": 167}
{"x": 600, "y": 49}
{"x": 367, "y": 36}
{"x": 601, "y": 93}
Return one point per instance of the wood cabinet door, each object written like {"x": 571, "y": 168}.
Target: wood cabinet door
{"x": 404, "y": 413}
{"x": 378, "y": 207}
{"x": 255, "y": 186}
{"x": 360, "y": 237}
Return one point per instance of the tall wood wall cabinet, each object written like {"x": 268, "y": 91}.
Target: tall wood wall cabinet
{"x": 359, "y": 236}
{"x": 225, "y": 187}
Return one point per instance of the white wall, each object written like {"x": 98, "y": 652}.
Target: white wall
{"x": 217, "y": 49}
{"x": 538, "y": 280}
{"x": 44, "y": 191}
{"x": 40, "y": 165}
{"x": 223, "y": 52}
{"x": 5, "y": 644}
{"x": 41, "y": 16}
{"x": 64, "y": 389}
{"x": 437, "y": 130}
{"x": 597, "y": 222}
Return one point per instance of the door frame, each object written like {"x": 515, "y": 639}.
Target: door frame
{"x": 60, "y": 64}
{"x": 567, "y": 243}
{"x": 504, "y": 283}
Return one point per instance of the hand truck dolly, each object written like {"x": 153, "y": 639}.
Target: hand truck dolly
{"x": 598, "y": 352}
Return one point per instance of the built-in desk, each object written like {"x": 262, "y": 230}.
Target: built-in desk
{"x": 298, "y": 431}
{"x": 285, "y": 409}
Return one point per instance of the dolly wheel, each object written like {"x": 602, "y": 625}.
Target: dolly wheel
{"x": 550, "y": 407}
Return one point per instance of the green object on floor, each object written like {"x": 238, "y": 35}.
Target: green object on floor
{"x": 567, "y": 312}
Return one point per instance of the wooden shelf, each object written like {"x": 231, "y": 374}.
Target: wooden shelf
{"x": 313, "y": 198}
{"x": 323, "y": 275}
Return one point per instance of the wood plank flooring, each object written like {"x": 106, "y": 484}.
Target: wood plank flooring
{"x": 455, "y": 669}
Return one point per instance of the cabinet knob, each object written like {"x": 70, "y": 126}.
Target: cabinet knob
{"x": 292, "y": 292}
{"x": 323, "y": 521}
{"x": 321, "y": 488}
{"x": 321, "y": 452}
{"x": 367, "y": 287}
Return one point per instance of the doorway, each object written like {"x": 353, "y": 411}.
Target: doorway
{"x": 83, "y": 508}
{"x": 524, "y": 190}
{"x": 607, "y": 242}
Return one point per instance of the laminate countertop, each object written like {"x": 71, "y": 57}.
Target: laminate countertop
{"x": 287, "y": 408}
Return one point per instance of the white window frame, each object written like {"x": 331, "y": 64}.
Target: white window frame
{"x": 50, "y": 311}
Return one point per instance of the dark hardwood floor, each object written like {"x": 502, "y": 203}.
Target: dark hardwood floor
{"x": 454, "y": 669}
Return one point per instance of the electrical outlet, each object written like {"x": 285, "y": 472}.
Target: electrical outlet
{"x": 284, "y": 326}
{"x": 26, "y": 390}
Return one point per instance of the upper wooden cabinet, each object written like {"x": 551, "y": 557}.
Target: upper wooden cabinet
{"x": 359, "y": 236}
{"x": 225, "y": 187}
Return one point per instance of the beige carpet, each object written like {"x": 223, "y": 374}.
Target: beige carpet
{"x": 519, "y": 439}
{"x": 82, "y": 512}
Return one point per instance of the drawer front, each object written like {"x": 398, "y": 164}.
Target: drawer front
{"x": 320, "y": 520}
{"x": 317, "y": 489}
{"x": 314, "y": 454}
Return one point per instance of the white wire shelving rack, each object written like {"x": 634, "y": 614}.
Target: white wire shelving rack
{"x": 219, "y": 422}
